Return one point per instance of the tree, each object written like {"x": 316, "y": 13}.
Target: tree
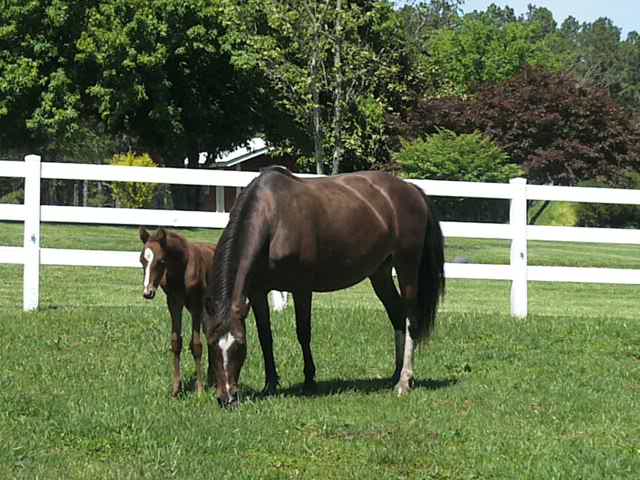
{"x": 489, "y": 47}
{"x": 159, "y": 71}
{"x": 41, "y": 95}
{"x": 336, "y": 68}
{"x": 559, "y": 130}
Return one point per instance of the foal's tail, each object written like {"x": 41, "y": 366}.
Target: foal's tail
{"x": 431, "y": 281}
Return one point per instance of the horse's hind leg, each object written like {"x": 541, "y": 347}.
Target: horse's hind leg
{"x": 408, "y": 281}
{"x": 386, "y": 291}
{"x": 260, "y": 306}
{"x": 196, "y": 345}
{"x": 302, "y": 301}
{"x": 175, "y": 309}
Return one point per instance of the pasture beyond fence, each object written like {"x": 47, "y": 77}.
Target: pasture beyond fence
{"x": 518, "y": 192}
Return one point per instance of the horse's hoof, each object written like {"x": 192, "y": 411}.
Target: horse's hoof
{"x": 230, "y": 403}
{"x": 403, "y": 387}
{"x": 177, "y": 390}
{"x": 269, "y": 390}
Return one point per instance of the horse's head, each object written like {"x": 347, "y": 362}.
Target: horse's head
{"x": 227, "y": 344}
{"x": 153, "y": 260}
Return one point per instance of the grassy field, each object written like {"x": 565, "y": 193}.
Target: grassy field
{"x": 84, "y": 382}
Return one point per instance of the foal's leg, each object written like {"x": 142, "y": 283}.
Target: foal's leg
{"x": 196, "y": 344}
{"x": 302, "y": 301}
{"x": 260, "y": 306}
{"x": 408, "y": 280}
{"x": 386, "y": 291}
{"x": 175, "y": 305}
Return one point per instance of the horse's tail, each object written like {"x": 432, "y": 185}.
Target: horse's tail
{"x": 431, "y": 281}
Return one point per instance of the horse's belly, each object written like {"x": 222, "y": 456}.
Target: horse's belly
{"x": 323, "y": 274}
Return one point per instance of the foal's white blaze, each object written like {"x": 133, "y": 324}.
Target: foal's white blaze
{"x": 148, "y": 256}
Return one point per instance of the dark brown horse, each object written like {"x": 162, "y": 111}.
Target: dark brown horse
{"x": 180, "y": 268}
{"x": 320, "y": 235}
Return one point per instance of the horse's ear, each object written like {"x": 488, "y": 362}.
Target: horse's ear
{"x": 144, "y": 235}
{"x": 161, "y": 236}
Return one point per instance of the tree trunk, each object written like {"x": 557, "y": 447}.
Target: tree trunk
{"x": 316, "y": 117}
{"x": 85, "y": 193}
{"x": 537, "y": 215}
{"x": 76, "y": 197}
{"x": 338, "y": 151}
{"x": 187, "y": 197}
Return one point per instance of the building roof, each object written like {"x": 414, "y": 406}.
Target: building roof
{"x": 254, "y": 148}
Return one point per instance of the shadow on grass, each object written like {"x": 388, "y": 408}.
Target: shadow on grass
{"x": 326, "y": 388}
{"x": 360, "y": 385}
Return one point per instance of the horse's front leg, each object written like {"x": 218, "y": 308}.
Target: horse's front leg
{"x": 196, "y": 344}
{"x": 175, "y": 305}
{"x": 260, "y": 306}
{"x": 302, "y": 301}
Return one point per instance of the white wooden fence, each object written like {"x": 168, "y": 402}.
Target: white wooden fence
{"x": 517, "y": 231}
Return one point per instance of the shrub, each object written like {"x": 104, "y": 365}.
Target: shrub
{"x": 16, "y": 197}
{"x": 554, "y": 214}
{"x": 610, "y": 215}
{"x": 134, "y": 194}
{"x": 470, "y": 157}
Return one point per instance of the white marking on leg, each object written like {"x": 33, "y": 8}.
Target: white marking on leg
{"x": 278, "y": 300}
{"x": 148, "y": 256}
{"x": 407, "y": 365}
{"x": 408, "y": 352}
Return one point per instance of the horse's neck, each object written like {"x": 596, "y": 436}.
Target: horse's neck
{"x": 179, "y": 260}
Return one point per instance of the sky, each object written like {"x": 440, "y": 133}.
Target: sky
{"x": 625, "y": 14}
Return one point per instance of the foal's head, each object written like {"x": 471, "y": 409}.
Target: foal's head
{"x": 153, "y": 259}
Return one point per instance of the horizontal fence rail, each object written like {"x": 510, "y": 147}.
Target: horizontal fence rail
{"x": 517, "y": 192}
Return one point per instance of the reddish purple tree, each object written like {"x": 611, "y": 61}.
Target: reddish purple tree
{"x": 558, "y": 130}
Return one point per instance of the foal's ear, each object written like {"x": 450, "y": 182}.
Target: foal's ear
{"x": 144, "y": 235}
{"x": 161, "y": 236}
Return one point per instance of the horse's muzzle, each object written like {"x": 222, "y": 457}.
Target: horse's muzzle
{"x": 149, "y": 293}
{"x": 229, "y": 403}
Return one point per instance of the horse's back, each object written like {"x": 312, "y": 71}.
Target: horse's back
{"x": 338, "y": 228}
{"x": 200, "y": 262}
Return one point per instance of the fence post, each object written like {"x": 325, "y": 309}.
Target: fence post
{"x": 31, "y": 245}
{"x": 518, "y": 220}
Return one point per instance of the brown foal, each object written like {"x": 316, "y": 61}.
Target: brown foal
{"x": 179, "y": 267}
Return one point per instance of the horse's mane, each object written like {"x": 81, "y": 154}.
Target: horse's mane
{"x": 222, "y": 278}
{"x": 278, "y": 169}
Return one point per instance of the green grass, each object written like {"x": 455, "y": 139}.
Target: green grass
{"x": 85, "y": 382}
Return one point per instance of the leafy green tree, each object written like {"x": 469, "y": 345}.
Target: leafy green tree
{"x": 41, "y": 95}
{"x": 629, "y": 94}
{"x": 160, "y": 73}
{"x": 488, "y": 47}
{"x": 337, "y": 69}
